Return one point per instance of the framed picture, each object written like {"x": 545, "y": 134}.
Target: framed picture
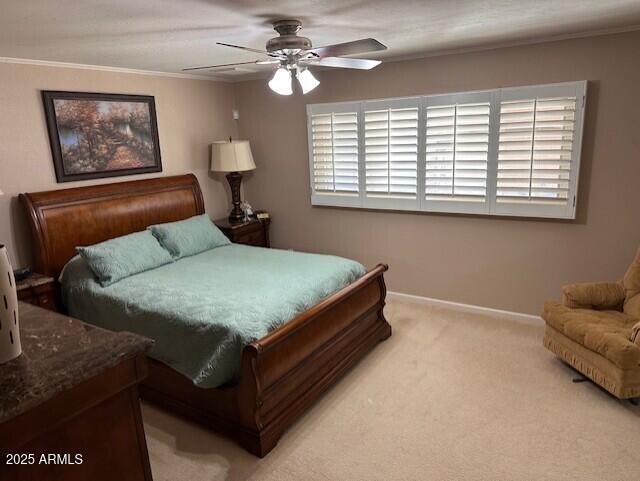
{"x": 101, "y": 135}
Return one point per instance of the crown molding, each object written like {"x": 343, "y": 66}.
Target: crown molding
{"x": 105, "y": 68}
{"x": 516, "y": 43}
{"x": 262, "y": 75}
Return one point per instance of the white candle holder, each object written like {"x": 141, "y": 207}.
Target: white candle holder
{"x": 10, "y": 347}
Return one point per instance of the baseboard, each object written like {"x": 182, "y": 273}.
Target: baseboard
{"x": 514, "y": 316}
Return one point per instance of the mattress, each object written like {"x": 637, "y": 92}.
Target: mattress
{"x": 202, "y": 310}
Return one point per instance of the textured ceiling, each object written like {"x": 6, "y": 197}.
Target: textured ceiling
{"x": 167, "y": 35}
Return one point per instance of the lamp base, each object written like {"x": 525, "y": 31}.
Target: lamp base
{"x": 235, "y": 180}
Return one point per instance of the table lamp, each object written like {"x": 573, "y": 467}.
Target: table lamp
{"x": 9, "y": 322}
{"x": 234, "y": 157}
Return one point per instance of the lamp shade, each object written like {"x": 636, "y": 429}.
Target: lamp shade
{"x": 307, "y": 81}
{"x": 232, "y": 156}
{"x": 281, "y": 82}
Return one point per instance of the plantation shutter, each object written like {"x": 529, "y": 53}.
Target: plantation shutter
{"x": 334, "y": 146}
{"x": 457, "y": 152}
{"x": 538, "y": 150}
{"x": 391, "y": 152}
{"x": 512, "y": 151}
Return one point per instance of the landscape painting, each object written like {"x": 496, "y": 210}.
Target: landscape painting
{"x": 101, "y": 135}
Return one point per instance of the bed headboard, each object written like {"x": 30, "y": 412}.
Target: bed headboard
{"x": 60, "y": 220}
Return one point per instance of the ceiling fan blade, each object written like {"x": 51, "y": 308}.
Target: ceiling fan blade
{"x": 357, "y": 63}
{"x": 264, "y": 52}
{"x": 223, "y": 65}
{"x": 349, "y": 48}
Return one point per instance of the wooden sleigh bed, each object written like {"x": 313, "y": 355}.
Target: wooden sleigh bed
{"x": 282, "y": 374}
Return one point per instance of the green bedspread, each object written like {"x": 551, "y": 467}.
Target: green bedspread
{"x": 203, "y": 310}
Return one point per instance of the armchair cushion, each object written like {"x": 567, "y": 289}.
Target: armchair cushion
{"x": 607, "y": 333}
{"x": 595, "y": 295}
{"x": 631, "y": 283}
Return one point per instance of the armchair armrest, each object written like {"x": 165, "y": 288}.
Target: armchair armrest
{"x": 594, "y": 295}
{"x": 635, "y": 334}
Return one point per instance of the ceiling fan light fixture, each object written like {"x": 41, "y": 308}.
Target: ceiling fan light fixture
{"x": 280, "y": 83}
{"x": 294, "y": 52}
{"x": 307, "y": 81}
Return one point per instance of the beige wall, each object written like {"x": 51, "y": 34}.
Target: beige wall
{"x": 497, "y": 262}
{"x": 502, "y": 263}
{"x": 191, "y": 114}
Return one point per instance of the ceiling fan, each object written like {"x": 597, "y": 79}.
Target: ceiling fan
{"x": 295, "y": 54}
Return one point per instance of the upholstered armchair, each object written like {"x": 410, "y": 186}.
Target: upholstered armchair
{"x": 597, "y": 331}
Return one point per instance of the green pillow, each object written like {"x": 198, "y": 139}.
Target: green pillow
{"x": 124, "y": 256}
{"x": 189, "y": 237}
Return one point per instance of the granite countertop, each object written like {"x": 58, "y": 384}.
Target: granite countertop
{"x": 58, "y": 353}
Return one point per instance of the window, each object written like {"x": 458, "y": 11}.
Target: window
{"x": 457, "y": 152}
{"x": 513, "y": 151}
{"x": 391, "y": 153}
{"x": 334, "y": 152}
{"x": 538, "y": 150}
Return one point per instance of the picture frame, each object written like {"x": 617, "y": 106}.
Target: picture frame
{"x": 100, "y": 135}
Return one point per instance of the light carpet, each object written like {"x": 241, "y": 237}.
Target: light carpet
{"x": 451, "y": 395}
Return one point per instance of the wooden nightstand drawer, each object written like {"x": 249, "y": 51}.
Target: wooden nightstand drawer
{"x": 46, "y": 301}
{"x": 38, "y": 290}
{"x": 255, "y": 238}
{"x": 253, "y": 232}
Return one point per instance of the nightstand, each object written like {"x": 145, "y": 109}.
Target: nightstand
{"x": 253, "y": 232}
{"x": 38, "y": 290}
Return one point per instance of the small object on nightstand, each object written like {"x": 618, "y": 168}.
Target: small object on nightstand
{"x": 254, "y": 232}
{"x": 38, "y": 290}
{"x": 247, "y": 210}
{"x": 22, "y": 273}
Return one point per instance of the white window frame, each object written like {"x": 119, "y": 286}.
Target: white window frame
{"x": 420, "y": 203}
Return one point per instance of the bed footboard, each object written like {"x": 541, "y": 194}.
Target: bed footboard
{"x": 286, "y": 371}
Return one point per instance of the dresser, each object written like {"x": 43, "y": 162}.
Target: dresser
{"x": 69, "y": 407}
